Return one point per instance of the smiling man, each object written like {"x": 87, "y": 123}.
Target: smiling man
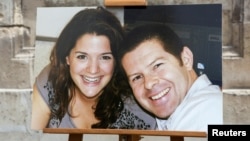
{"x": 160, "y": 72}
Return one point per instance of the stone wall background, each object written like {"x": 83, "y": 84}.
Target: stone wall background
{"x": 17, "y": 59}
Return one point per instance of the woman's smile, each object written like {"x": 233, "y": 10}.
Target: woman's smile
{"x": 91, "y": 79}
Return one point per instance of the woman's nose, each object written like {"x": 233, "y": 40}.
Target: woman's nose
{"x": 93, "y": 66}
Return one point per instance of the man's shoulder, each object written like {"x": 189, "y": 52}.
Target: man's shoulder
{"x": 203, "y": 89}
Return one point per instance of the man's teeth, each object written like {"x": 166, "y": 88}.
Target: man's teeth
{"x": 89, "y": 79}
{"x": 161, "y": 94}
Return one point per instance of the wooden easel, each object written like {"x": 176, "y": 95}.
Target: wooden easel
{"x": 125, "y": 134}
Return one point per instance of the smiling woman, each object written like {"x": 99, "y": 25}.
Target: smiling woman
{"x": 81, "y": 86}
{"x": 91, "y": 64}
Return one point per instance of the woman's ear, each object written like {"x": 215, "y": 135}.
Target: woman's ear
{"x": 187, "y": 58}
{"x": 67, "y": 59}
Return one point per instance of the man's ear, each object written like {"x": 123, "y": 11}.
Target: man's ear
{"x": 187, "y": 58}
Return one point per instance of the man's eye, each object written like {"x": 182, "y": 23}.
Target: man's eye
{"x": 157, "y": 65}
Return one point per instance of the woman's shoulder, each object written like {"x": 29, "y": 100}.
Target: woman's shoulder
{"x": 132, "y": 105}
{"x": 43, "y": 85}
{"x": 134, "y": 117}
{"x": 42, "y": 77}
{"x": 44, "y": 73}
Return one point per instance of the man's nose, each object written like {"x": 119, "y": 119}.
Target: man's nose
{"x": 150, "y": 81}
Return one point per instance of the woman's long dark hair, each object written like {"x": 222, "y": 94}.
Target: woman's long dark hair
{"x": 89, "y": 21}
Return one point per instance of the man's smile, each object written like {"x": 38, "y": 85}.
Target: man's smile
{"x": 161, "y": 94}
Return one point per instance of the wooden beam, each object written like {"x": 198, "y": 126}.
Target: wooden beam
{"x": 125, "y": 2}
{"x": 125, "y": 134}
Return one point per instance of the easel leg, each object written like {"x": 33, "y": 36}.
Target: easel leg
{"x": 75, "y": 137}
{"x": 175, "y": 138}
{"x": 129, "y": 137}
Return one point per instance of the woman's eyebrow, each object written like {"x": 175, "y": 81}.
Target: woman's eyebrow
{"x": 105, "y": 53}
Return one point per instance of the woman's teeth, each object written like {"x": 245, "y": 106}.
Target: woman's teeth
{"x": 161, "y": 94}
{"x": 90, "y": 79}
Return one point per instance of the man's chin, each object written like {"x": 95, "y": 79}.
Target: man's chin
{"x": 160, "y": 116}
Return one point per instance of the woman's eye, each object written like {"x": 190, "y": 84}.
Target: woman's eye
{"x": 106, "y": 57}
{"x": 82, "y": 57}
{"x": 138, "y": 77}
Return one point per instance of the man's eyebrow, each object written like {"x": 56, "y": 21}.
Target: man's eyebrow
{"x": 156, "y": 59}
